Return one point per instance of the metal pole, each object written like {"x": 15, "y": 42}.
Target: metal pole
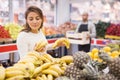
{"x": 11, "y": 15}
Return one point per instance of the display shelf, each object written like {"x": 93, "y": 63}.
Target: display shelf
{"x": 8, "y": 48}
{"x": 112, "y": 37}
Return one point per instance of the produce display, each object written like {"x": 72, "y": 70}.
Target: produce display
{"x": 67, "y": 26}
{"x": 101, "y": 28}
{"x": 107, "y": 30}
{"x": 4, "y": 33}
{"x": 13, "y": 29}
{"x": 36, "y": 66}
{"x": 52, "y": 31}
{"x": 112, "y": 49}
{"x": 113, "y": 31}
{"x": 113, "y": 64}
{"x": 77, "y": 70}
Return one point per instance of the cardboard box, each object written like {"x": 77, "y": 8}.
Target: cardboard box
{"x": 78, "y": 38}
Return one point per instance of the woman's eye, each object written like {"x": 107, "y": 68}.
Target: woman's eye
{"x": 30, "y": 19}
{"x": 37, "y": 18}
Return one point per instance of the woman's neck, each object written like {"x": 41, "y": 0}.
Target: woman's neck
{"x": 34, "y": 31}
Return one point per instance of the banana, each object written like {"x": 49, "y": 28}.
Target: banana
{"x": 40, "y": 44}
{"x": 44, "y": 77}
{"x": 14, "y": 73}
{"x": 56, "y": 68}
{"x": 50, "y": 77}
{"x": 44, "y": 59}
{"x": 29, "y": 56}
{"x": 18, "y": 77}
{"x": 2, "y": 73}
{"x": 12, "y": 69}
{"x": 56, "y": 43}
{"x": 67, "y": 42}
{"x": 39, "y": 78}
{"x": 52, "y": 72}
{"x": 22, "y": 67}
{"x": 31, "y": 67}
{"x": 39, "y": 69}
{"x": 38, "y": 63}
{"x": 35, "y": 54}
{"x": 26, "y": 60}
{"x": 48, "y": 56}
{"x": 67, "y": 59}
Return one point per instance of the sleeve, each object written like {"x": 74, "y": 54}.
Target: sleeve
{"x": 22, "y": 45}
{"x": 92, "y": 30}
{"x": 49, "y": 46}
{"x": 77, "y": 28}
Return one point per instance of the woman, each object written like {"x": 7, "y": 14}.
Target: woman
{"x": 85, "y": 25}
{"x": 32, "y": 33}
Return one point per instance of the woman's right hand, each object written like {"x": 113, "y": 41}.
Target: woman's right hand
{"x": 40, "y": 46}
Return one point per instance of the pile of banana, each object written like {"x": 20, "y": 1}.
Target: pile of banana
{"x": 36, "y": 66}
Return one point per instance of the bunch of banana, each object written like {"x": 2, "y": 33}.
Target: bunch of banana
{"x": 45, "y": 77}
{"x": 16, "y": 73}
{"x": 36, "y": 66}
{"x": 2, "y": 73}
{"x": 54, "y": 68}
{"x": 40, "y": 44}
{"x": 67, "y": 59}
{"x": 63, "y": 41}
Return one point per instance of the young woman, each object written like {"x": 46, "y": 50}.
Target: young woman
{"x": 32, "y": 33}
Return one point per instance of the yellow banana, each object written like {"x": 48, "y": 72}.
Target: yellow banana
{"x": 48, "y": 56}
{"x": 39, "y": 69}
{"x": 2, "y": 73}
{"x": 38, "y": 63}
{"x": 50, "y": 77}
{"x": 18, "y": 77}
{"x": 39, "y": 78}
{"x": 26, "y": 60}
{"x": 34, "y": 57}
{"x": 14, "y": 73}
{"x": 67, "y": 42}
{"x": 56, "y": 68}
{"x": 40, "y": 44}
{"x": 13, "y": 68}
{"x": 22, "y": 67}
{"x": 56, "y": 43}
{"x": 31, "y": 67}
{"x": 44, "y": 77}
{"x": 44, "y": 59}
{"x": 34, "y": 53}
{"x": 52, "y": 72}
{"x": 67, "y": 59}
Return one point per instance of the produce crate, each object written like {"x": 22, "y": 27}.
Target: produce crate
{"x": 112, "y": 37}
{"x": 5, "y": 40}
{"x": 78, "y": 38}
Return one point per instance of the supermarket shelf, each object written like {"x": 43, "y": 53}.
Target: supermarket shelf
{"x": 8, "y": 48}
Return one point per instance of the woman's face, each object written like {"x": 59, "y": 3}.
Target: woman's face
{"x": 34, "y": 21}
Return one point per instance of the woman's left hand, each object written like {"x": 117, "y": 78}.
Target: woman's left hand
{"x": 61, "y": 42}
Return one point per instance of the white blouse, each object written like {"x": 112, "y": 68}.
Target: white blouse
{"x": 26, "y": 41}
